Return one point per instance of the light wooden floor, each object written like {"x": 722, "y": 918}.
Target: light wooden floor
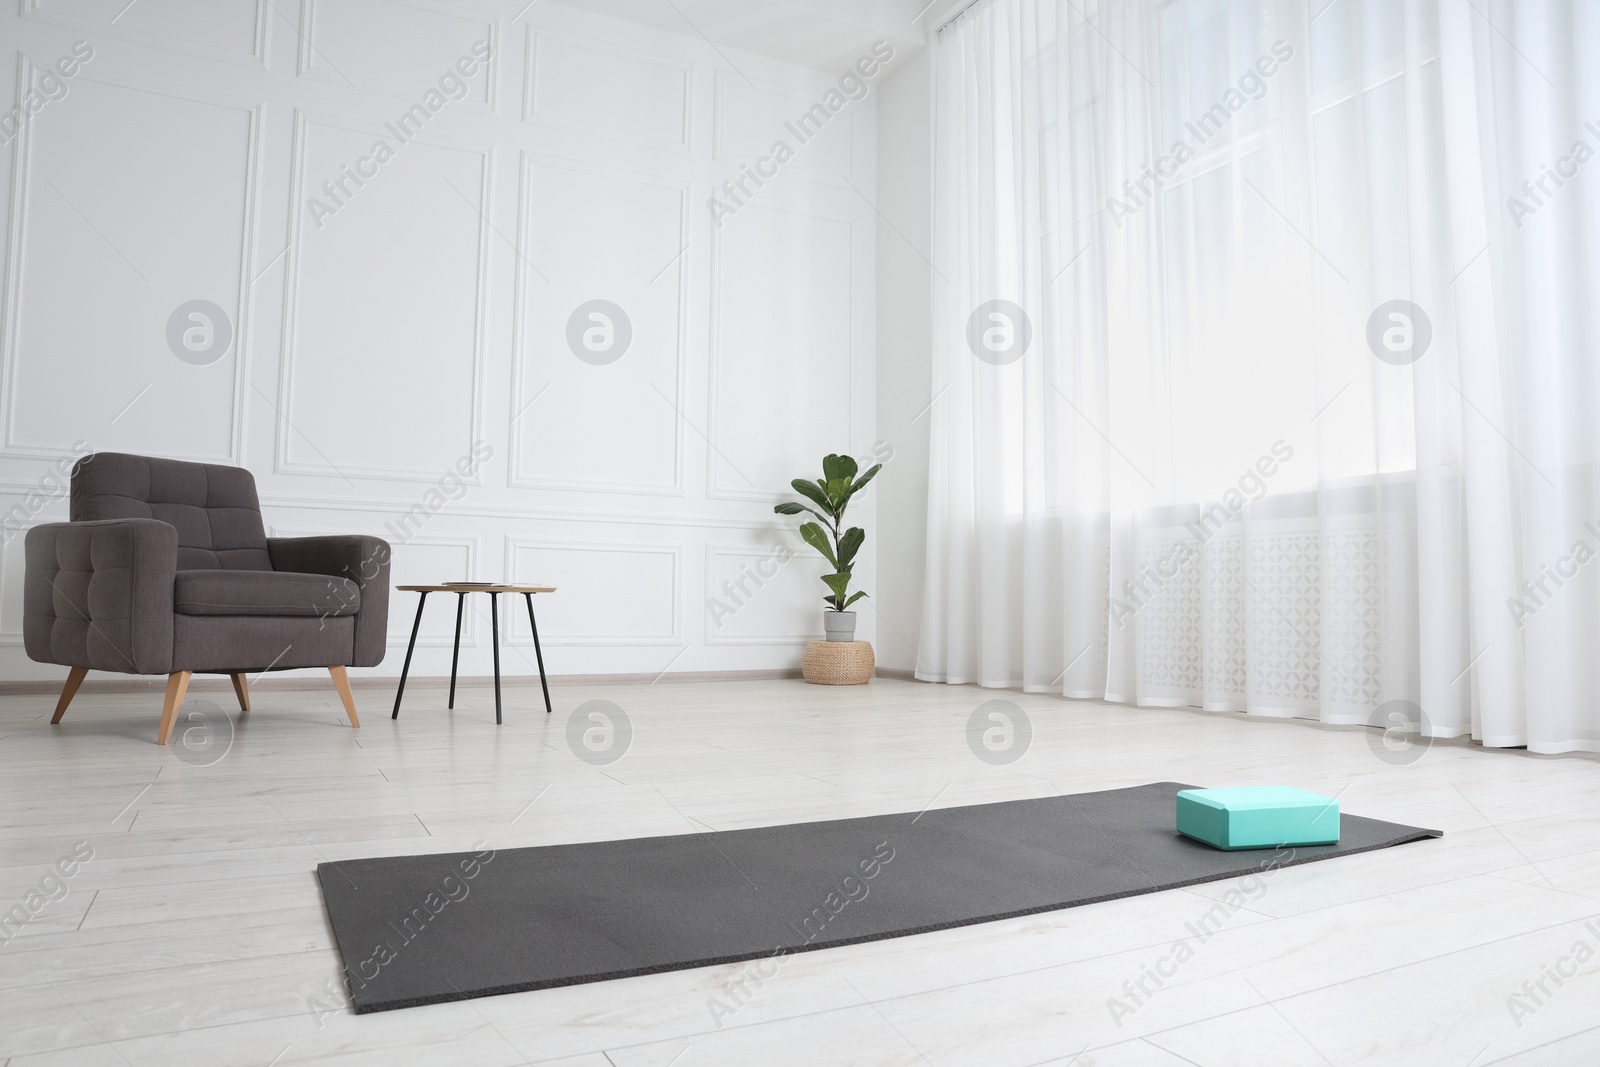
{"x": 196, "y": 933}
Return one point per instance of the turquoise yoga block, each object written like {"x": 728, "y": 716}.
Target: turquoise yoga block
{"x": 1258, "y": 816}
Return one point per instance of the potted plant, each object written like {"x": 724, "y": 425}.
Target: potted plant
{"x": 831, "y": 494}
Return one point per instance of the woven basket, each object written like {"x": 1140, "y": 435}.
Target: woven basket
{"x": 838, "y": 662}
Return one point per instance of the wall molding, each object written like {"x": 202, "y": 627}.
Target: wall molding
{"x": 21, "y": 192}
{"x": 714, "y": 451}
{"x": 284, "y": 423}
{"x": 307, "y": 53}
{"x": 532, "y": 514}
{"x": 519, "y": 340}
{"x": 534, "y": 34}
{"x": 674, "y": 552}
{"x": 709, "y": 635}
{"x": 256, "y": 57}
{"x": 803, "y": 101}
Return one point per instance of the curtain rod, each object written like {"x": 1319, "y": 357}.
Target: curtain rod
{"x": 968, "y": 6}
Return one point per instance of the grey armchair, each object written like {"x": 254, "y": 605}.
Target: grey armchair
{"x": 165, "y": 568}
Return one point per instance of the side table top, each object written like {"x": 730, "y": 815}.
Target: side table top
{"x": 476, "y": 588}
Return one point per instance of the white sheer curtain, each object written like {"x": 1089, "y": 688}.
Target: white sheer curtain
{"x": 1264, "y": 359}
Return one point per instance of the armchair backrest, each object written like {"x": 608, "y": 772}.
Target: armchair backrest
{"x": 214, "y": 508}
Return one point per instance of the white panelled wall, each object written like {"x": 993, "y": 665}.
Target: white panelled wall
{"x": 387, "y": 318}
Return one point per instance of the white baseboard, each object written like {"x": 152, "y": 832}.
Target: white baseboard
{"x": 203, "y": 683}
{"x": 206, "y": 683}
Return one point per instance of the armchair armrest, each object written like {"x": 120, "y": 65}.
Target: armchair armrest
{"x": 362, "y": 559}
{"x": 99, "y": 594}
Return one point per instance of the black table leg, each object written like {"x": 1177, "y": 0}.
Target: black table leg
{"x": 455, "y": 656}
{"x": 538, "y": 653}
{"x": 415, "y": 625}
{"x": 494, "y": 624}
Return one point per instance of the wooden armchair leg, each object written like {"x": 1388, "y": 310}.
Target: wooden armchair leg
{"x": 241, "y": 689}
{"x": 69, "y": 691}
{"x": 177, "y": 685}
{"x": 341, "y": 682}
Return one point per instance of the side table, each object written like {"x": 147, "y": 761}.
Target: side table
{"x": 461, "y": 590}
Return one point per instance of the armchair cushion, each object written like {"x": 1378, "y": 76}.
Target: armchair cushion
{"x": 236, "y": 592}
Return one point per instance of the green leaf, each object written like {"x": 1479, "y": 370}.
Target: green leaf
{"x": 838, "y": 492}
{"x": 802, "y": 508}
{"x": 853, "y": 598}
{"x": 812, "y": 492}
{"x": 818, "y": 540}
{"x": 838, "y": 468}
{"x": 865, "y": 478}
{"x": 839, "y": 583}
{"x": 849, "y": 545}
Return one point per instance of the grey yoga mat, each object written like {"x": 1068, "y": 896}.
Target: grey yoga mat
{"x": 425, "y": 929}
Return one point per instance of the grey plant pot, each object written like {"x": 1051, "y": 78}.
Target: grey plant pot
{"x": 839, "y": 625}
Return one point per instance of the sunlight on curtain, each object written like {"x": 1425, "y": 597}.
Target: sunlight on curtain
{"x": 1262, "y": 360}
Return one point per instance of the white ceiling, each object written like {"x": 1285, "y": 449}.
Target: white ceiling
{"x": 825, "y": 34}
